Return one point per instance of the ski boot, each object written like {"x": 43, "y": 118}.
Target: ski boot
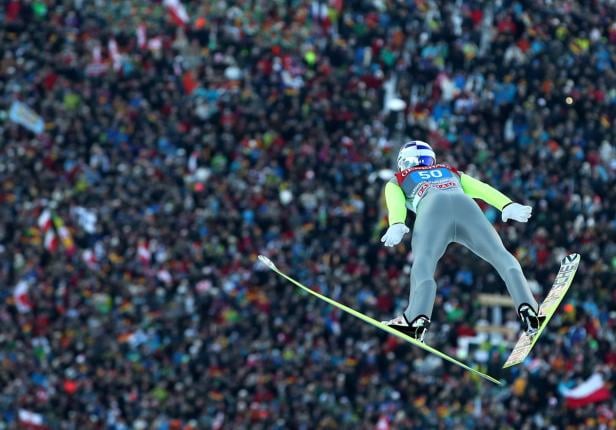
{"x": 417, "y": 329}
{"x": 531, "y": 321}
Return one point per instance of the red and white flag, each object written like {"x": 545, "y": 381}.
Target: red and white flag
{"x": 97, "y": 54}
{"x": 114, "y": 52}
{"x": 142, "y": 39}
{"x": 177, "y": 12}
{"x": 97, "y": 66}
{"x": 593, "y": 390}
{"x": 51, "y": 241}
{"x": 21, "y": 297}
{"x": 143, "y": 252}
{"x": 29, "y": 420}
{"x": 89, "y": 257}
{"x": 45, "y": 224}
{"x": 44, "y": 220}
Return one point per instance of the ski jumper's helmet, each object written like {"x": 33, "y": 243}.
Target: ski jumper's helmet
{"x": 415, "y": 153}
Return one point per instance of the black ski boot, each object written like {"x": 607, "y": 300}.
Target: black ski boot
{"x": 531, "y": 321}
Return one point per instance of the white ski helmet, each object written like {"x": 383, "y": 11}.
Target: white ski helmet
{"x": 415, "y": 153}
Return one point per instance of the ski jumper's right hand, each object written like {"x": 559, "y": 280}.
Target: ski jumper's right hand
{"x": 394, "y": 234}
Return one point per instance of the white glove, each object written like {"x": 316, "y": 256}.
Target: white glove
{"x": 394, "y": 234}
{"x": 517, "y": 212}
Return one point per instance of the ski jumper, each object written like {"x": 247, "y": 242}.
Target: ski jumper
{"x": 442, "y": 198}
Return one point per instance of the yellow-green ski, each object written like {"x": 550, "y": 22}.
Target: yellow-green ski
{"x": 267, "y": 262}
{"x": 564, "y": 278}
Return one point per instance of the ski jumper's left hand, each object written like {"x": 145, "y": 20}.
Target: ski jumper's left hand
{"x": 517, "y": 212}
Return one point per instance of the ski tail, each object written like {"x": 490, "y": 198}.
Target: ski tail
{"x": 267, "y": 262}
{"x": 564, "y": 279}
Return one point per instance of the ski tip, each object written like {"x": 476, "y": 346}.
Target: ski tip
{"x": 266, "y": 261}
{"x": 570, "y": 258}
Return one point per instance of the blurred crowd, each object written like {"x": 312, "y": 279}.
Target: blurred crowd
{"x": 182, "y": 139}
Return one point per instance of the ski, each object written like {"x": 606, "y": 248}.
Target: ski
{"x": 564, "y": 278}
{"x": 269, "y": 264}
